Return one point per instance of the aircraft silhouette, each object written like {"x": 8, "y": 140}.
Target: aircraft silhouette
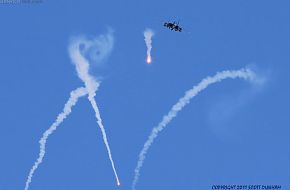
{"x": 173, "y": 26}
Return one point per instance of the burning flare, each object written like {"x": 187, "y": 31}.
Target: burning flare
{"x": 149, "y": 59}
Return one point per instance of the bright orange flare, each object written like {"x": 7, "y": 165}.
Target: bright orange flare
{"x": 149, "y": 60}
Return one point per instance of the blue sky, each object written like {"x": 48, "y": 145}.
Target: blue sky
{"x": 231, "y": 133}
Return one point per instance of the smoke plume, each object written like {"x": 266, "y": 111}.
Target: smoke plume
{"x": 77, "y": 49}
{"x": 74, "y": 96}
{"x": 246, "y": 74}
{"x": 96, "y": 50}
{"x": 148, "y": 34}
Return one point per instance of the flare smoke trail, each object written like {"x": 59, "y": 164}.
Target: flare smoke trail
{"x": 74, "y": 96}
{"x": 148, "y": 34}
{"x": 82, "y": 67}
{"x": 246, "y": 74}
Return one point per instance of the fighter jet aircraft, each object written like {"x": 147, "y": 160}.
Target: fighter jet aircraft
{"x": 173, "y": 26}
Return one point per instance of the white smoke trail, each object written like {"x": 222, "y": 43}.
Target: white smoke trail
{"x": 74, "y": 96}
{"x": 82, "y": 67}
{"x": 242, "y": 73}
{"x": 148, "y": 34}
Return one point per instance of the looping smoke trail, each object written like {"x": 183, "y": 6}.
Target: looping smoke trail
{"x": 246, "y": 74}
{"x": 74, "y": 96}
{"x": 105, "y": 44}
{"x": 148, "y": 34}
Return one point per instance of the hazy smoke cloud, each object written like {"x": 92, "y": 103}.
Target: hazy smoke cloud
{"x": 96, "y": 50}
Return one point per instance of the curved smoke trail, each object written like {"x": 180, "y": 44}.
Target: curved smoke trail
{"x": 103, "y": 45}
{"x": 246, "y": 74}
{"x": 74, "y": 96}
